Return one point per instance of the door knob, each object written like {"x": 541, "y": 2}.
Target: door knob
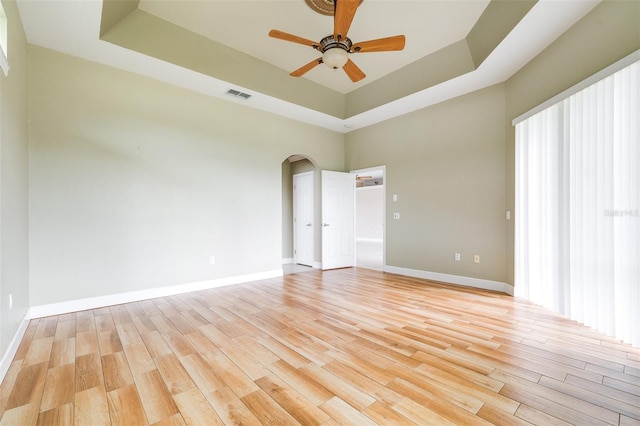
{"x": 308, "y": 224}
{"x": 325, "y": 224}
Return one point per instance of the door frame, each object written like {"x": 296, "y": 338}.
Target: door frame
{"x": 384, "y": 211}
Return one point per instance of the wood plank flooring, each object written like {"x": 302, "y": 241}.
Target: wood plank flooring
{"x": 351, "y": 346}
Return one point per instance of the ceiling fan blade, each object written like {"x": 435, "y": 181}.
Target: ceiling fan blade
{"x": 306, "y": 68}
{"x": 345, "y": 10}
{"x": 380, "y": 45}
{"x": 352, "y": 70}
{"x": 292, "y": 38}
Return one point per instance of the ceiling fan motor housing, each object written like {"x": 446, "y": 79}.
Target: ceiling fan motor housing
{"x": 329, "y": 42}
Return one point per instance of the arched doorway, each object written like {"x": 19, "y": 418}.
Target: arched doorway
{"x": 294, "y": 167}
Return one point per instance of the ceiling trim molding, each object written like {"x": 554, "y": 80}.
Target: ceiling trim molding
{"x": 495, "y": 23}
{"x": 114, "y": 11}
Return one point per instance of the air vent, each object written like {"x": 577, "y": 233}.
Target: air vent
{"x": 238, "y": 94}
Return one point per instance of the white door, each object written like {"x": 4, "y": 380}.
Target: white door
{"x": 337, "y": 219}
{"x": 303, "y": 218}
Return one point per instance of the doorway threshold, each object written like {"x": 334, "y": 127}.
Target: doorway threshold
{"x": 292, "y": 268}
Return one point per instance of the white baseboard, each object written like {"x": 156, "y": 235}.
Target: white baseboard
{"x": 287, "y": 260}
{"x": 316, "y": 265}
{"x": 134, "y": 296}
{"x": 508, "y": 288}
{"x": 452, "y": 279}
{"x": 7, "y": 358}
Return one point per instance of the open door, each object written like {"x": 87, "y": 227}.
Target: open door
{"x": 337, "y": 220}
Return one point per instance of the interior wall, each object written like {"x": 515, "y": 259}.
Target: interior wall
{"x": 287, "y": 211}
{"x": 134, "y": 184}
{"x": 446, "y": 163}
{"x": 14, "y": 271}
{"x": 607, "y": 34}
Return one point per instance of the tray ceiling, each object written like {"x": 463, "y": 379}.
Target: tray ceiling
{"x": 452, "y": 48}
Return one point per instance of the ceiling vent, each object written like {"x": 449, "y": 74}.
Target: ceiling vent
{"x": 238, "y": 94}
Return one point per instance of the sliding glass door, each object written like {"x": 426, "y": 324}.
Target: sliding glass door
{"x": 578, "y": 206}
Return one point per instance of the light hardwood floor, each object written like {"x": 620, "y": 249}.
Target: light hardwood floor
{"x": 350, "y": 346}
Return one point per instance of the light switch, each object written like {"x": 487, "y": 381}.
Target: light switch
{"x": 395, "y": 197}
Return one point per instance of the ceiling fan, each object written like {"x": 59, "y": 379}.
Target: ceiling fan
{"x": 337, "y": 47}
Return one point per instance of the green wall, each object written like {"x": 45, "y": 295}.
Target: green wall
{"x": 14, "y": 272}
{"x": 135, "y": 183}
{"x": 287, "y": 211}
{"x": 446, "y": 164}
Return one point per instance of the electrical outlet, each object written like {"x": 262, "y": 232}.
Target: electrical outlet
{"x": 10, "y": 301}
{"x": 457, "y": 257}
{"x": 476, "y": 258}
{"x": 212, "y": 260}
{"x": 396, "y": 216}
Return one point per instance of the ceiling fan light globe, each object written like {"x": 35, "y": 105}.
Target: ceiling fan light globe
{"x": 335, "y": 58}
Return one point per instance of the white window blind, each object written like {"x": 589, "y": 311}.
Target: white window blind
{"x": 578, "y": 206}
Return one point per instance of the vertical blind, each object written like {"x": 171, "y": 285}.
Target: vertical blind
{"x": 577, "y": 221}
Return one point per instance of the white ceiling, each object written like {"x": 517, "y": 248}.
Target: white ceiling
{"x": 72, "y": 27}
{"x": 244, "y": 25}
